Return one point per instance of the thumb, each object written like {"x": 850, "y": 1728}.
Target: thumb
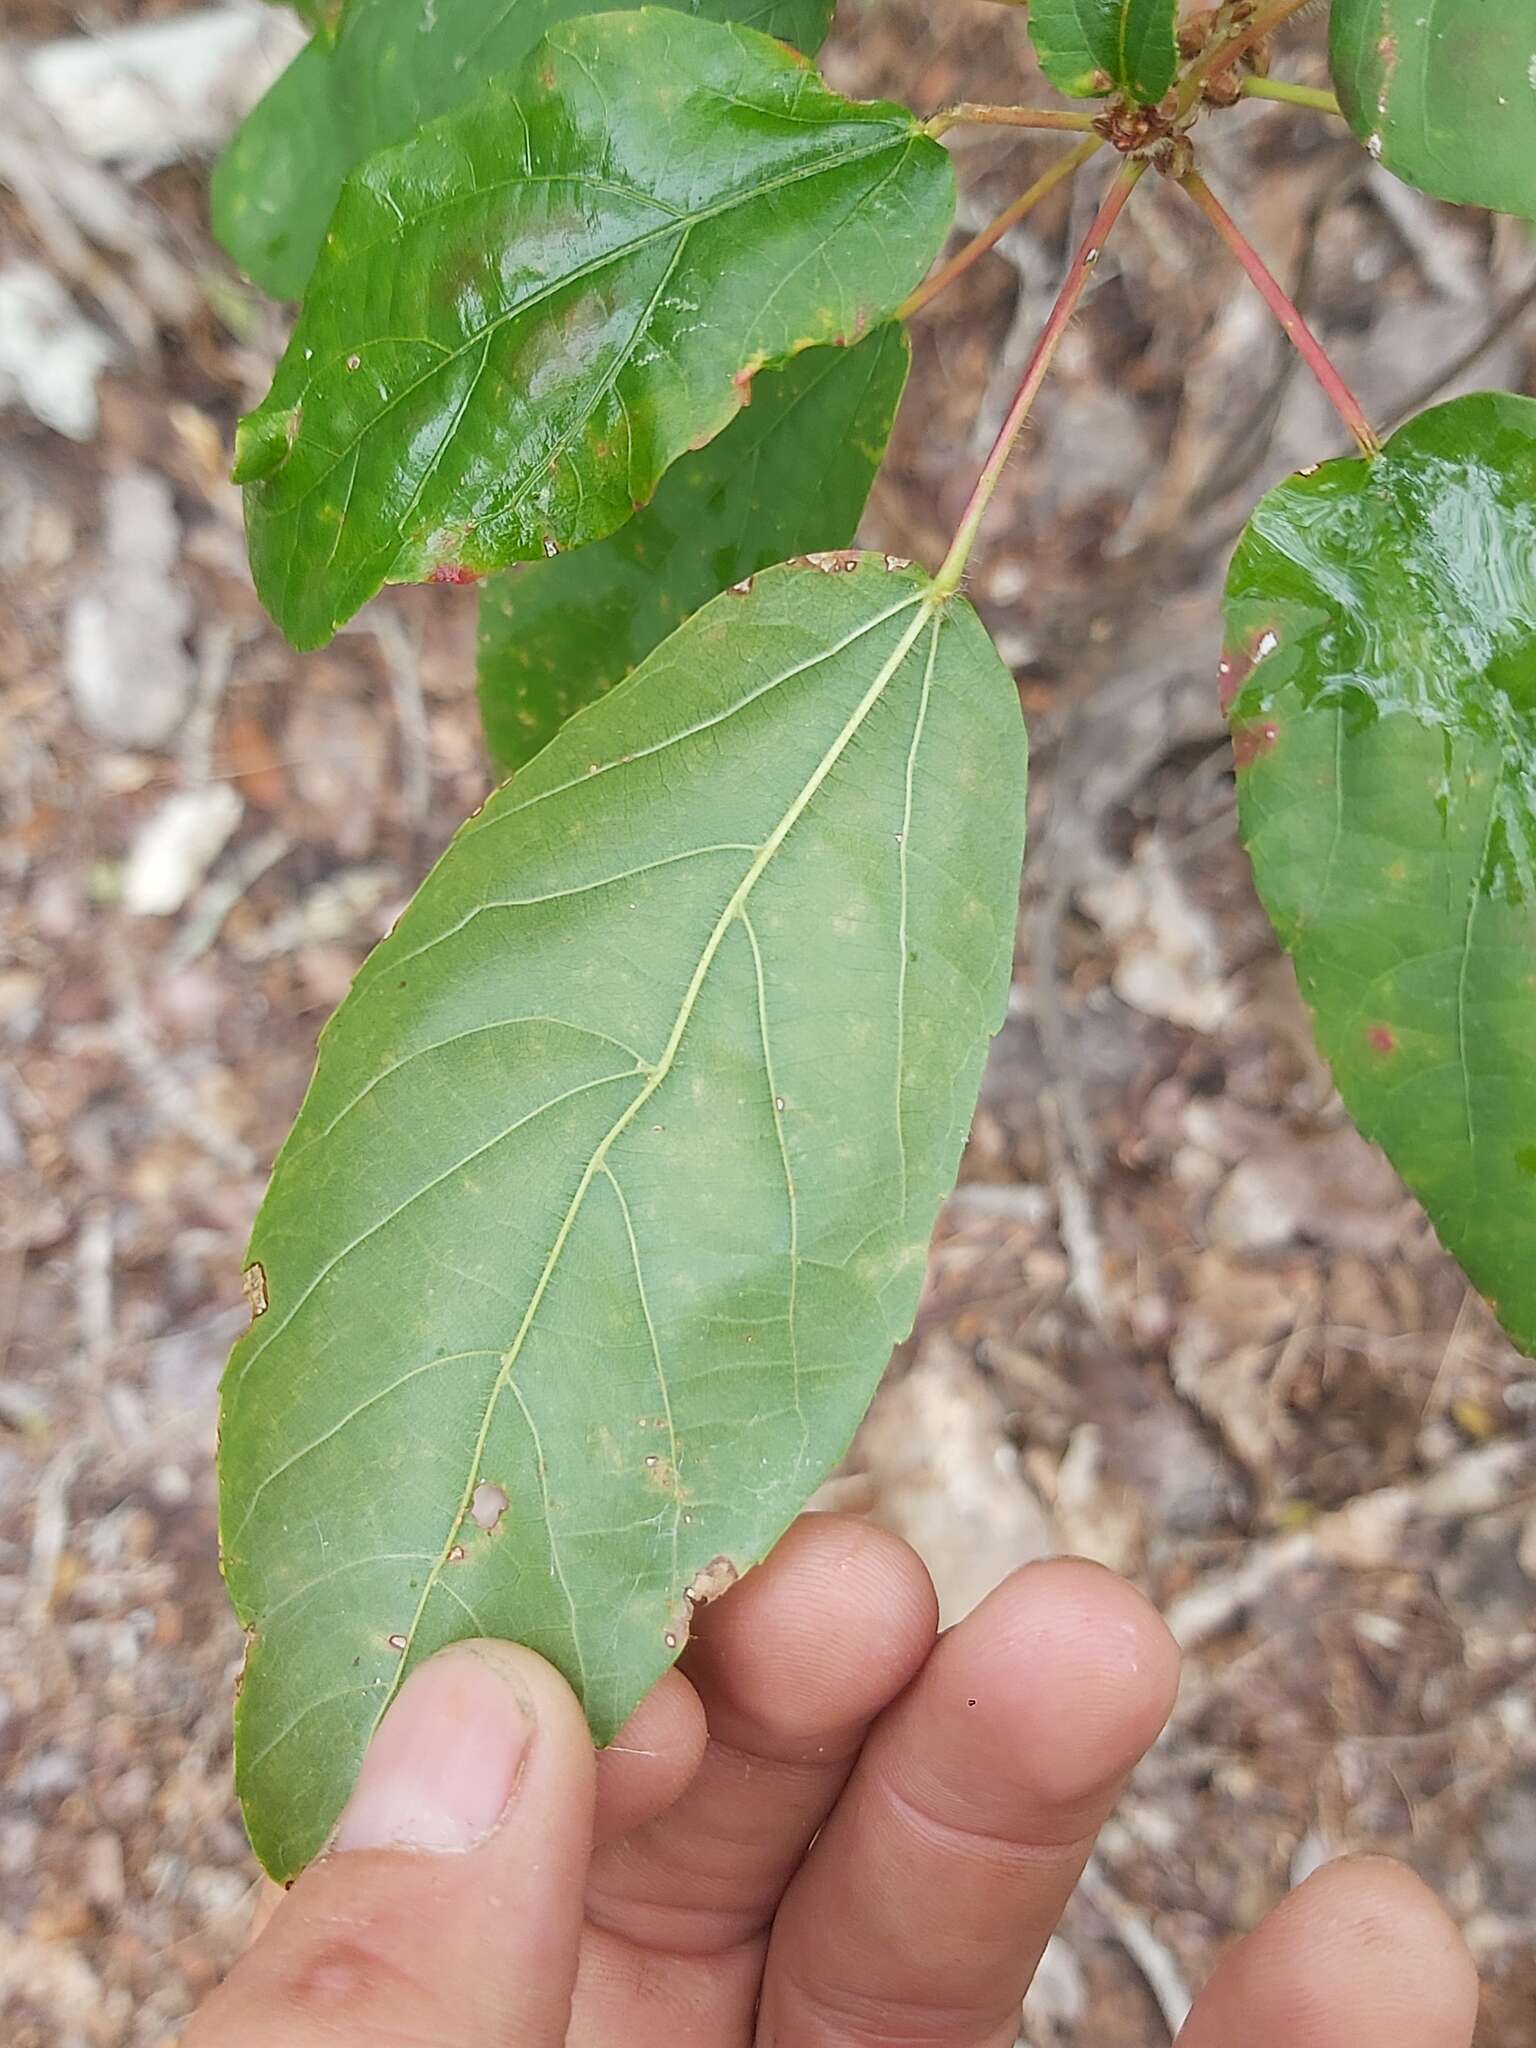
{"x": 448, "y": 1906}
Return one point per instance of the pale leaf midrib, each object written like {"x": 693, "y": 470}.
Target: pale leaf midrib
{"x": 925, "y": 606}
{"x": 391, "y": 963}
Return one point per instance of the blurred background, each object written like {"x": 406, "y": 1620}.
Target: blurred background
{"x": 1180, "y": 1317}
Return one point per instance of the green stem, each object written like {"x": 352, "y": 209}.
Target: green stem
{"x": 1291, "y": 95}
{"x": 970, "y": 111}
{"x": 1220, "y": 56}
{"x": 1296, "y": 330}
{"x": 995, "y": 230}
{"x": 952, "y": 568}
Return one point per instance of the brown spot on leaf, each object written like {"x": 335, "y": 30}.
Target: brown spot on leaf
{"x": 710, "y": 1581}
{"x": 1232, "y": 671}
{"x": 743, "y": 588}
{"x": 1387, "y": 50}
{"x": 832, "y": 562}
{"x": 453, "y": 572}
{"x": 662, "y": 1474}
{"x": 1237, "y": 664}
{"x": 397, "y": 1643}
{"x": 488, "y": 1504}
{"x": 1382, "y": 1038}
{"x": 254, "y": 1281}
{"x": 245, "y": 1658}
{"x": 743, "y": 382}
{"x": 1249, "y": 741}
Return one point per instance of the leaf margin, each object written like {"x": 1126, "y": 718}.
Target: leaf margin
{"x": 529, "y": 615}
{"x": 1261, "y": 674}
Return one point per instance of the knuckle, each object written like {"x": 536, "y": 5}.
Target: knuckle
{"x": 361, "y": 1972}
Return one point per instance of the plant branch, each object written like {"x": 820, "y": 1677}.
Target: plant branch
{"x": 970, "y": 111}
{"x": 994, "y": 231}
{"x": 1220, "y": 56}
{"x": 1291, "y": 95}
{"x": 952, "y": 568}
{"x": 1296, "y": 330}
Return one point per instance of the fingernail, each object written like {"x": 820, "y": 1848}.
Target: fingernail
{"x": 441, "y": 1770}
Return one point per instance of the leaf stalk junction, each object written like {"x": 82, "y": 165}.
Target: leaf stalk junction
{"x": 1146, "y": 138}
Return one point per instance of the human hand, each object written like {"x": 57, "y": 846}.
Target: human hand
{"x": 827, "y": 1829}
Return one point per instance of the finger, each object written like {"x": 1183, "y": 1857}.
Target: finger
{"x": 652, "y": 1760}
{"x": 269, "y": 1897}
{"x": 449, "y": 1906}
{"x": 642, "y": 1772}
{"x": 1360, "y": 1956}
{"x": 923, "y": 1908}
{"x": 791, "y": 1666}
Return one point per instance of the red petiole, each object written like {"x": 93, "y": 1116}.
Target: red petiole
{"x": 1297, "y": 332}
{"x": 952, "y": 568}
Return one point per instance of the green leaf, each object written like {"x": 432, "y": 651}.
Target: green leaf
{"x": 525, "y": 315}
{"x": 788, "y": 476}
{"x": 612, "y": 1189}
{"x": 323, "y": 16}
{"x": 391, "y": 66}
{"x": 1096, "y": 46}
{"x": 1386, "y": 741}
{"x": 1444, "y": 94}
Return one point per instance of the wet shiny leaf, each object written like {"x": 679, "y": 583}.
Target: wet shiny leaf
{"x": 372, "y": 80}
{"x": 1386, "y": 742}
{"x": 613, "y": 1186}
{"x": 525, "y": 315}
{"x": 788, "y": 476}
{"x": 1096, "y": 46}
{"x": 1443, "y": 94}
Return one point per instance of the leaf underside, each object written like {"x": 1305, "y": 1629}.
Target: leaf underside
{"x": 1444, "y": 94}
{"x": 1098, "y": 46}
{"x": 789, "y": 475}
{"x": 1386, "y": 741}
{"x": 371, "y": 78}
{"x": 614, "y": 1182}
{"x": 525, "y": 315}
